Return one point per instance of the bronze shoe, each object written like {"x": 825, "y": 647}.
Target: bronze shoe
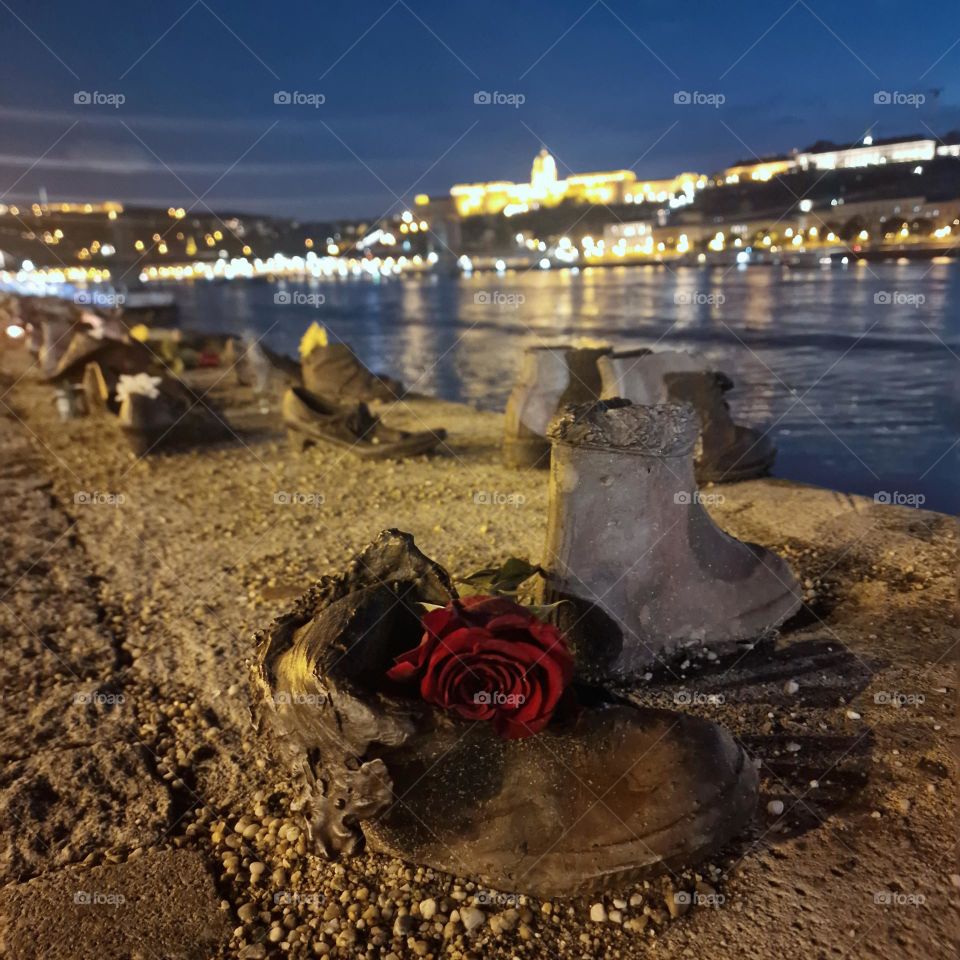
{"x": 596, "y": 799}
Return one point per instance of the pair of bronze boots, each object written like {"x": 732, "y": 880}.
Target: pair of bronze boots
{"x": 598, "y": 798}
{"x": 330, "y": 409}
{"x": 552, "y": 378}
{"x": 155, "y": 410}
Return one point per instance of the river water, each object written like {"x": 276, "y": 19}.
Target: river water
{"x": 854, "y": 368}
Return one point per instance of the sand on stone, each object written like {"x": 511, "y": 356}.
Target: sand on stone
{"x": 157, "y": 595}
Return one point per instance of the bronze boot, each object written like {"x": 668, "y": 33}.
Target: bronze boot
{"x": 336, "y": 373}
{"x": 726, "y": 451}
{"x": 598, "y": 798}
{"x": 629, "y": 543}
{"x": 550, "y": 378}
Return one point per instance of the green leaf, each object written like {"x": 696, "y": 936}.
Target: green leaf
{"x": 504, "y": 580}
{"x": 542, "y": 611}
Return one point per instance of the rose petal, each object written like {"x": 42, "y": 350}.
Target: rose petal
{"x": 437, "y": 621}
{"x": 488, "y": 658}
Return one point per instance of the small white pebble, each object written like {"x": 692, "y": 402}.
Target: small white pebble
{"x": 471, "y": 918}
{"x": 791, "y": 687}
{"x": 853, "y": 715}
{"x": 793, "y": 747}
{"x": 775, "y": 808}
{"x": 598, "y": 913}
{"x": 814, "y": 784}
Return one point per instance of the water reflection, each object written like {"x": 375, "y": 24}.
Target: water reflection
{"x": 856, "y": 366}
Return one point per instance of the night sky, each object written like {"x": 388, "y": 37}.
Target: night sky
{"x": 399, "y": 77}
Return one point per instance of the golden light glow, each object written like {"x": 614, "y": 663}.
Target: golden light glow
{"x": 545, "y": 189}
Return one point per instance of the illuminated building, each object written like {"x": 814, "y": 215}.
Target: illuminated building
{"x": 829, "y": 156}
{"x": 684, "y": 185}
{"x": 868, "y": 153}
{"x": 545, "y": 189}
{"x": 758, "y": 170}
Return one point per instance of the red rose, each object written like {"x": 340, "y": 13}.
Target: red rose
{"x": 488, "y": 658}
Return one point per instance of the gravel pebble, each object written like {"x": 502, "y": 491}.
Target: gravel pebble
{"x": 471, "y": 918}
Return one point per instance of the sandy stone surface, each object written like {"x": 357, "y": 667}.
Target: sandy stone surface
{"x": 146, "y": 579}
{"x": 162, "y": 904}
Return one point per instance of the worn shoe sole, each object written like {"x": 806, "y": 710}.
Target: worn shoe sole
{"x": 628, "y": 793}
{"x": 413, "y": 446}
{"x": 179, "y": 437}
{"x": 710, "y": 473}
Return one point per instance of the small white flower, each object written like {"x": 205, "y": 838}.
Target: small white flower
{"x": 138, "y": 383}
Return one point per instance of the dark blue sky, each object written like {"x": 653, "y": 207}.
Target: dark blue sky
{"x": 399, "y": 78}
